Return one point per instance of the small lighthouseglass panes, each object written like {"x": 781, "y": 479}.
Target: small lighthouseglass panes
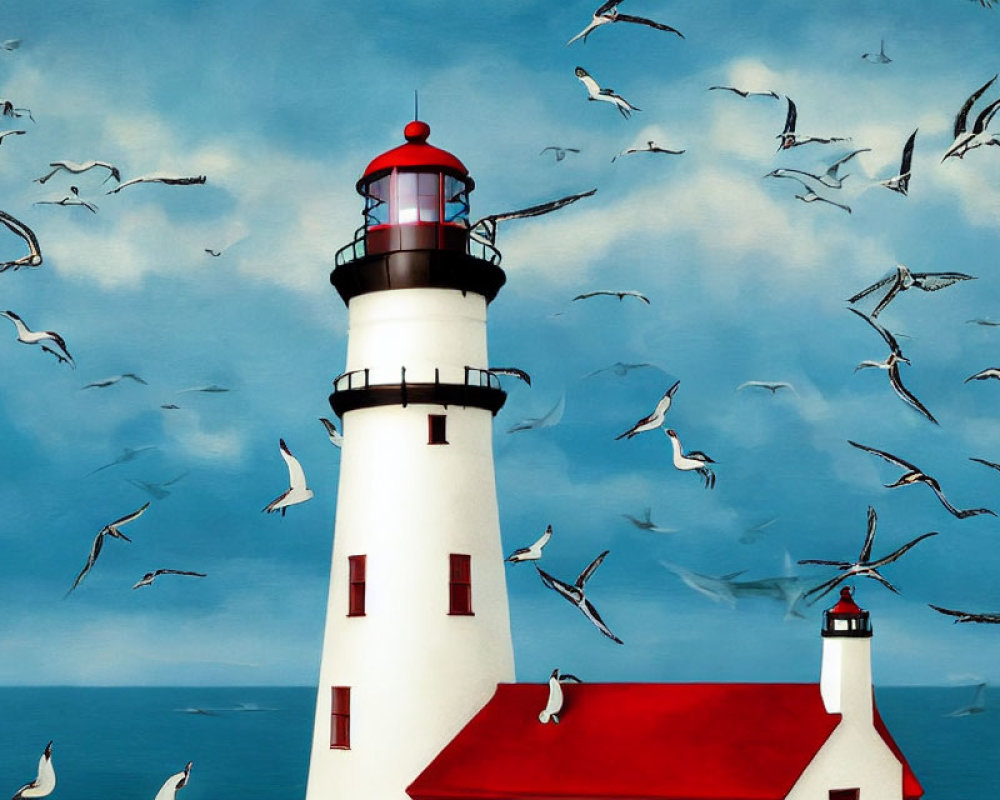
{"x": 406, "y": 198}
{"x": 456, "y": 201}
{"x": 427, "y": 196}
{"x": 376, "y": 202}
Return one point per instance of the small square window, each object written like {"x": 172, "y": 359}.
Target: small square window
{"x": 460, "y": 584}
{"x": 436, "y": 429}
{"x": 340, "y": 718}
{"x": 356, "y": 590}
{"x": 845, "y": 794}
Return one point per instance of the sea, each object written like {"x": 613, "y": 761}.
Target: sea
{"x": 253, "y": 743}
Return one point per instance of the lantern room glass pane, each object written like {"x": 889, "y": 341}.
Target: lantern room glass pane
{"x": 406, "y": 198}
{"x": 377, "y": 202}
{"x": 456, "y": 202}
{"x": 427, "y": 196}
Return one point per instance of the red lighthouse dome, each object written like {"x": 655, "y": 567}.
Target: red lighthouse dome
{"x": 415, "y": 154}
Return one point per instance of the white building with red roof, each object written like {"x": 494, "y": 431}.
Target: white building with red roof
{"x": 416, "y": 696}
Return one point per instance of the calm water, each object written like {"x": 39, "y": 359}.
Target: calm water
{"x": 254, "y": 743}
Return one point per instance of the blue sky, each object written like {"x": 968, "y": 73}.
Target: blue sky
{"x": 281, "y": 110}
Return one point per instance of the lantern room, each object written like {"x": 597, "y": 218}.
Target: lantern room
{"x": 846, "y": 618}
{"x": 416, "y": 197}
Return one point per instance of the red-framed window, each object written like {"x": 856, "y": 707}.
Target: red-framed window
{"x": 437, "y": 429}
{"x": 845, "y": 794}
{"x": 459, "y": 584}
{"x": 356, "y": 590}
{"x": 340, "y": 718}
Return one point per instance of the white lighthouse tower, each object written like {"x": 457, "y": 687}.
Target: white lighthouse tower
{"x": 417, "y": 630}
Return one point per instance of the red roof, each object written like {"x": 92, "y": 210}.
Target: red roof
{"x": 619, "y": 740}
{"x": 416, "y": 153}
{"x": 845, "y": 606}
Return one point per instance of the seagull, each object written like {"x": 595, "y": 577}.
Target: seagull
{"x": 80, "y": 167}
{"x": 694, "y": 460}
{"x": 986, "y": 374}
{"x": 5, "y": 134}
{"x": 532, "y": 552}
{"x": 34, "y": 257}
{"x": 213, "y": 253}
{"x": 210, "y": 389}
{"x": 755, "y": 532}
{"x": 169, "y": 789}
{"x": 989, "y": 323}
{"x": 914, "y": 475}
{"x": 901, "y": 182}
{"x": 745, "y": 93}
{"x": 864, "y": 567}
{"x": 560, "y": 152}
{"x": 620, "y": 294}
{"x": 811, "y": 197}
{"x": 26, "y": 336}
{"x": 891, "y": 365}
{"x": 156, "y": 490}
{"x": 297, "y": 491}
{"x": 903, "y": 279}
{"x": 8, "y": 109}
{"x": 976, "y": 706}
{"x": 877, "y": 58}
{"x": 968, "y": 616}
{"x": 127, "y": 454}
{"x": 552, "y": 417}
{"x": 112, "y": 529}
{"x": 485, "y": 229}
{"x": 105, "y": 382}
{"x": 655, "y": 418}
{"x": 575, "y": 594}
{"x": 789, "y": 138}
{"x": 964, "y": 139}
{"x": 336, "y": 438}
{"x": 10, "y": 44}
{"x": 607, "y": 95}
{"x": 149, "y": 577}
{"x": 771, "y": 386}
{"x": 831, "y": 179}
{"x": 520, "y": 374}
{"x": 608, "y": 12}
{"x": 645, "y": 523}
{"x": 619, "y": 368}
{"x": 72, "y": 199}
{"x": 990, "y": 464}
{"x": 45, "y": 782}
{"x": 170, "y": 180}
{"x": 651, "y": 147}
{"x": 555, "y": 702}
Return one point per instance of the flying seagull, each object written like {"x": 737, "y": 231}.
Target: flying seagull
{"x": 10, "y": 44}
{"x": 112, "y": 529}
{"x": 655, "y": 418}
{"x": 621, "y": 294}
{"x": 986, "y": 374}
{"x": 651, "y": 147}
{"x": 877, "y": 58}
{"x": 45, "y": 782}
{"x": 976, "y": 706}
{"x": 26, "y": 336}
{"x": 608, "y": 13}
{"x": 645, "y": 523}
{"x": 554, "y": 704}
{"x": 156, "y": 490}
{"x": 789, "y": 138}
{"x": 575, "y": 594}
{"x": 169, "y": 180}
{"x": 532, "y": 552}
{"x": 865, "y": 566}
{"x": 901, "y": 182}
{"x": 966, "y": 140}
{"x": 149, "y": 577}
{"x": 903, "y": 279}
{"x": 105, "y": 382}
{"x": 514, "y": 372}
{"x": 619, "y": 368}
{"x": 969, "y": 616}
{"x": 695, "y": 460}
{"x": 336, "y": 437}
{"x": 486, "y": 228}
{"x": 771, "y": 386}
{"x": 8, "y": 109}
{"x": 127, "y": 454}
{"x": 297, "y": 491}
{"x": 72, "y": 199}
{"x": 891, "y": 365}
{"x": 744, "y": 92}
{"x": 830, "y": 179}
{"x": 990, "y": 464}
{"x": 811, "y": 197}
{"x": 550, "y": 418}
{"x": 34, "y": 257}
{"x": 914, "y": 475}
{"x": 209, "y": 389}
{"x": 169, "y": 789}
{"x": 78, "y": 168}
{"x": 607, "y": 95}
{"x": 5, "y": 134}
{"x": 560, "y": 152}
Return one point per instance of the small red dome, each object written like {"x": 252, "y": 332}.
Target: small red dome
{"x": 416, "y": 154}
{"x": 846, "y": 607}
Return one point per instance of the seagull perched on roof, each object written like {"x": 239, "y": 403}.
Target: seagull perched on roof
{"x": 297, "y": 491}
{"x": 621, "y": 294}
{"x": 969, "y": 616}
{"x": 532, "y": 552}
{"x": 112, "y": 529}
{"x": 45, "y": 781}
{"x": 864, "y": 567}
{"x": 651, "y": 147}
{"x": 901, "y": 182}
{"x": 789, "y": 138}
{"x": 903, "y": 279}
{"x": 654, "y": 419}
{"x": 170, "y": 180}
{"x": 575, "y": 593}
{"x": 607, "y": 95}
{"x": 27, "y": 336}
{"x": 913, "y": 475}
{"x": 336, "y": 438}
{"x": 554, "y": 704}
{"x": 485, "y": 229}
{"x": 694, "y": 460}
{"x": 744, "y": 92}
{"x": 966, "y": 140}
{"x": 34, "y": 257}
{"x": 560, "y": 152}
{"x": 891, "y": 365}
{"x": 877, "y": 58}
{"x": 608, "y": 12}
{"x": 77, "y": 168}
{"x": 149, "y": 577}
{"x": 169, "y": 789}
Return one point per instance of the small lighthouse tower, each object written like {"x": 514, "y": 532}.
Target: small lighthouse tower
{"x": 417, "y": 630}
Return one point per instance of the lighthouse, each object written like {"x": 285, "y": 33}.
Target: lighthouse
{"x": 417, "y": 632}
